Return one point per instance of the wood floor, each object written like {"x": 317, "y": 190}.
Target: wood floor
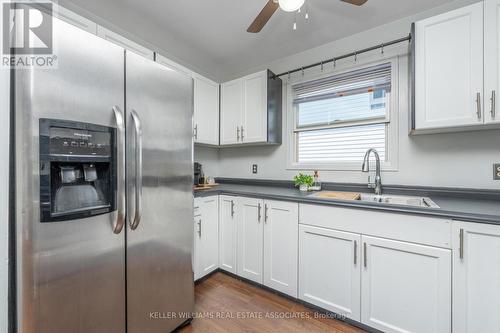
{"x": 225, "y": 304}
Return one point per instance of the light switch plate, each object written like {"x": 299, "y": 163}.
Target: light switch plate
{"x": 254, "y": 168}
{"x": 496, "y": 171}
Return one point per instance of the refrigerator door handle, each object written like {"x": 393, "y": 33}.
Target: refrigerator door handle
{"x": 138, "y": 170}
{"x": 120, "y": 171}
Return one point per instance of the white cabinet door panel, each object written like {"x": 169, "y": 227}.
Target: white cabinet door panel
{"x": 250, "y": 239}
{"x": 405, "y": 287}
{"x": 206, "y": 111}
{"x": 228, "y": 233}
{"x": 449, "y": 69}
{"x": 255, "y": 108}
{"x": 209, "y": 235}
{"x": 231, "y": 112}
{"x": 329, "y": 270}
{"x": 492, "y": 60}
{"x": 281, "y": 246}
{"x": 476, "y": 278}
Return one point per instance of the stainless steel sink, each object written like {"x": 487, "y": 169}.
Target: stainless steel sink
{"x": 404, "y": 200}
{"x": 399, "y": 200}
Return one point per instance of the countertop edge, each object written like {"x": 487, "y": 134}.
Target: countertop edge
{"x": 458, "y": 216}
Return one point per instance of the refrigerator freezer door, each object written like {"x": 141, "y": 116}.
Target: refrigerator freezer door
{"x": 70, "y": 274}
{"x": 160, "y": 235}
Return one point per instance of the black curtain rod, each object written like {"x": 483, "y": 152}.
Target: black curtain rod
{"x": 348, "y": 55}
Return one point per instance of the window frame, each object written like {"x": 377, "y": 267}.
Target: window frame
{"x": 391, "y": 120}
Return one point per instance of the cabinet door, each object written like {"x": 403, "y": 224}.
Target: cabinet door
{"x": 330, "y": 270}
{"x": 206, "y": 111}
{"x": 281, "y": 223}
{"x": 195, "y": 256}
{"x": 231, "y": 112}
{"x": 405, "y": 287}
{"x": 492, "y": 60}
{"x": 449, "y": 69}
{"x": 250, "y": 239}
{"x": 228, "y": 233}
{"x": 476, "y": 277}
{"x": 209, "y": 235}
{"x": 255, "y": 108}
{"x": 124, "y": 42}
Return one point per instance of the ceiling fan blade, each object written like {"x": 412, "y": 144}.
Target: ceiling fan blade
{"x": 356, "y": 2}
{"x": 264, "y": 16}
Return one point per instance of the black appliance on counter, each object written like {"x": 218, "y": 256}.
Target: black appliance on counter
{"x": 199, "y": 177}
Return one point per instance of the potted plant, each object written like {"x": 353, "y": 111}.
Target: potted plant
{"x": 303, "y": 181}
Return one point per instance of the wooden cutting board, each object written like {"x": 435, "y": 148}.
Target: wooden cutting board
{"x": 204, "y": 186}
{"x": 339, "y": 195}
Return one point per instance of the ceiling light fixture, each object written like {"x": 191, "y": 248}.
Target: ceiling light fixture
{"x": 290, "y": 5}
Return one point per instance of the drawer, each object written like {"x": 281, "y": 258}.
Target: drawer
{"x": 404, "y": 227}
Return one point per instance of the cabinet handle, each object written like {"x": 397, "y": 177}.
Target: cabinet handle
{"x": 365, "y": 252}
{"x": 355, "y": 253}
{"x": 232, "y": 208}
{"x": 242, "y": 135}
{"x": 238, "y": 133}
{"x": 478, "y": 103}
{"x": 461, "y": 250}
{"x": 259, "y": 215}
{"x": 493, "y": 104}
{"x": 265, "y": 213}
{"x": 196, "y": 132}
{"x": 199, "y": 228}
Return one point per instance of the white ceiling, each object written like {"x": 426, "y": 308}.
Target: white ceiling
{"x": 210, "y": 35}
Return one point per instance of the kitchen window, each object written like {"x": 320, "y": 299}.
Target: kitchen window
{"x": 337, "y": 118}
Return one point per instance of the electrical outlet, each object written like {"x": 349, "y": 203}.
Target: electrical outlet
{"x": 254, "y": 168}
{"x": 496, "y": 171}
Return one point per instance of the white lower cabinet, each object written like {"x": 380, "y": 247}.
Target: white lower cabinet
{"x": 250, "y": 239}
{"x": 206, "y": 242}
{"x": 227, "y": 233}
{"x": 405, "y": 287}
{"x": 281, "y": 223}
{"x": 330, "y": 270}
{"x": 476, "y": 277}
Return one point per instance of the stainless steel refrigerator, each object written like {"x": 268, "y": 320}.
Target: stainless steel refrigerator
{"x": 103, "y": 191}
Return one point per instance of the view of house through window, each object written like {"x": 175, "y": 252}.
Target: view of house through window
{"x": 339, "y": 117}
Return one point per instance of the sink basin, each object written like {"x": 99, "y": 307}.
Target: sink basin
{"x": 399, "y": 200}
{"x": 385, "y": 198}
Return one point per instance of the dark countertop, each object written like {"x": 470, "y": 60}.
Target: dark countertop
{"x": 482, "y": 206}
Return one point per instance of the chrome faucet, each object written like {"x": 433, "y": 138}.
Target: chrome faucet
{"x": 377, "y": 185}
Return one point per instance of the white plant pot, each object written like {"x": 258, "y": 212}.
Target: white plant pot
{"x": 304, "y": 188}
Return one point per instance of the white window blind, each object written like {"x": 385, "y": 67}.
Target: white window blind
{"x": 341, "y": 116}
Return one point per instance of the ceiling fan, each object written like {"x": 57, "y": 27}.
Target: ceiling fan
{"x": 286, "y": 5}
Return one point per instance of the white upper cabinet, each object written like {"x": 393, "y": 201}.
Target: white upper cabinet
{"x": 251, "y": 110}
{"x": 254, "y": 119}
{"x": 124, "y": 42}
{"x": 330, "y": 270}
{"x": 491, "y": 60}
{"x": 476, "y": 277}
{"x": 405, "y": 287}
{"x": 281, "y": 223}
{"x": 231, "y": 112}
{"x": 206, "y": 111}
{"x": 449, "y": 69}
{"x": 228, "y": 224}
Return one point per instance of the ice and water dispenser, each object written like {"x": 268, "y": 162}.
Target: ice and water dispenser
{"x": 77, "y": 170}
